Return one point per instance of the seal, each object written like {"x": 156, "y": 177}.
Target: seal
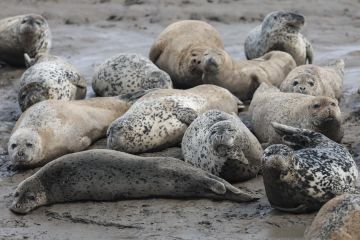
{"x": 106, "y": 175}
{"x": 241, "y": 77}
{"x": 49, "y": 77}
{"x": 22, "y": 34}
{"x": 315, "y": 80}
{"x": 179, "y": 49}
{"x": 280, "y": 30}
{"x": 159, "y": 119}
{"x": 53, "y": 128}
{"x": 126, "y": 73}
{"x": 338, "y": 219}
{"x": 307, "y": 172}
{"x": 221, "y": 144}
{"x": 317, "y": 113}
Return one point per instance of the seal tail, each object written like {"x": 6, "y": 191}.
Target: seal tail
{"x": 222, "y": 190}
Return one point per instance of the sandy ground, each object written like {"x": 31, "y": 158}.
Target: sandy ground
{"x": 89, "y": 31}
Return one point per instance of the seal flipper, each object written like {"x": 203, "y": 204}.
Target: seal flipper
{"x": 309, "y": 52}
{"x": 132, "y": 97}
{"x": 186, "y": 115}
{"x": 28, "y": 61}
{"x": 299, "y": 209}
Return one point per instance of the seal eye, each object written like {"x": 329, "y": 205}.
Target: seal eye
{"x": 16, "y": 194}
{"x": 29, "y": 145}
{"x": 333, "y": 104}
{"x": 31, "y": 197}
{"x": 13, "y": 145}
{"x": 38, "y": 22}
{"x": 316, "y": 105}
{"x": 295, "y": 83}
{"x": 311, "y": 84}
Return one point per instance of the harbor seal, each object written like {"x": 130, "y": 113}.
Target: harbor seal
{"x": 315, "y": 80}
{"x": 241, "y": 77}
{"x": 221, "y": 144}
{"x": 106, "y": 175}
{"x": 126, "y": 73}
{"x": 53, "y": 128}
{"x": 280, "y": 30}
{"x": 338, "y": 219}
{"x": 49, "y": 77}
{"x": 159, "y": 119}
{"x": 320, "y": 114}
{"x": 22, "y": 34}
{"x": 179, "y": 49}
{"x": 307, "y": 172}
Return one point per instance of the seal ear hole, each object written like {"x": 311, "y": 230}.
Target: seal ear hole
{"x": 16, "y": 194}
{"x": 295, "y": 83}
{"x": 13, "y": 146}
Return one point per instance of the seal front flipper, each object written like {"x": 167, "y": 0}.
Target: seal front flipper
{"x": 185, "y": 115}
{"x": 132, "y": 97}
{"x": 299, "y": 209}
{"x": 309, "y": 51}
{"x": 29, "y": 61}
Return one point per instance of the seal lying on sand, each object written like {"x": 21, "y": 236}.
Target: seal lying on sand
{"x": 338, "y": 219}
{"x": 315, "y": 80}
{"x": 105, "y": 175}
{"x": 242, "y": 78}
{"x": 159, "y": 119}
{"x": 53, "y": 128}
{"x": 126, "y": 73}
{"x": 321, "y": 114}
{"x": 179, "y": 49}
{"x": 280, "y": 30}
{"x": 50, "y": 77}
{"x": 28, "y": 33}
{"x": 307, "y": 173}
{"x": 220, "y": 143}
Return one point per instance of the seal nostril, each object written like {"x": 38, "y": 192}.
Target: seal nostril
{"x": 20, "y": 153}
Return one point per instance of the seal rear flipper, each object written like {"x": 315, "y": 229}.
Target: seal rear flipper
{"x": 28, "y": 61}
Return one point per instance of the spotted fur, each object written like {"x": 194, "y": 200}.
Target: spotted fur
{"x": 106, "y": 175}
{"x": 308, "y": 171}
{"x": 159, "y": 119}
{"x": 221, "y": 144}
{"x": 338, "y": 219}
{"x": 280, "y": 31}
{"x": 22, "y": 34}
{"x": 50, "y": 78}
{"x": 127, "y": 73}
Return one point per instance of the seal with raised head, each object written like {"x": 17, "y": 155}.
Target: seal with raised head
{"x": 317, "y": 113}
{"x": 159, "y": 119}
{"x": 50, "y": 77}
{"x": 22, "y": 34}
{"x": 280, "y": 30}
{"x": 315, "y": 80}
{"x": 338, "y": 219}
{"x": 241, "y": 77}
{"x": 106, "y": 175}
{"x": 179, "y": 49}
{"x": 221, "y": 144}
{"x": 126, "y": 73}
{"x": 307, "y": 172}
{"x": 53, "y": 128}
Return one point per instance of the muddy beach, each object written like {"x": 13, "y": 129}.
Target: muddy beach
{"x": 87, "y": 32}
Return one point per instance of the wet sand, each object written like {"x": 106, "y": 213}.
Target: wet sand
{"x": 88, "y": 32}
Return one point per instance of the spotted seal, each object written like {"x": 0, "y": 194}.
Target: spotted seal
{"x": 179, "y": 48}
{"x": 315, "y": 80}
{"x": 126, "y": 73}
{"x": 307, "y": 172}
{"x": 22, "y": 34}
{"x": 338, "y": 219}
{"x": 317, "y": 113}
{"x": 159, "y": 119}
{"x": 107, "y": 175}
{"x": 243, "y": 77}
{"x": 49, "y": 77}
{"x": 53, "y": 128}
{"x": 280, "y": 30}
{"x": 220, "y": 143}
